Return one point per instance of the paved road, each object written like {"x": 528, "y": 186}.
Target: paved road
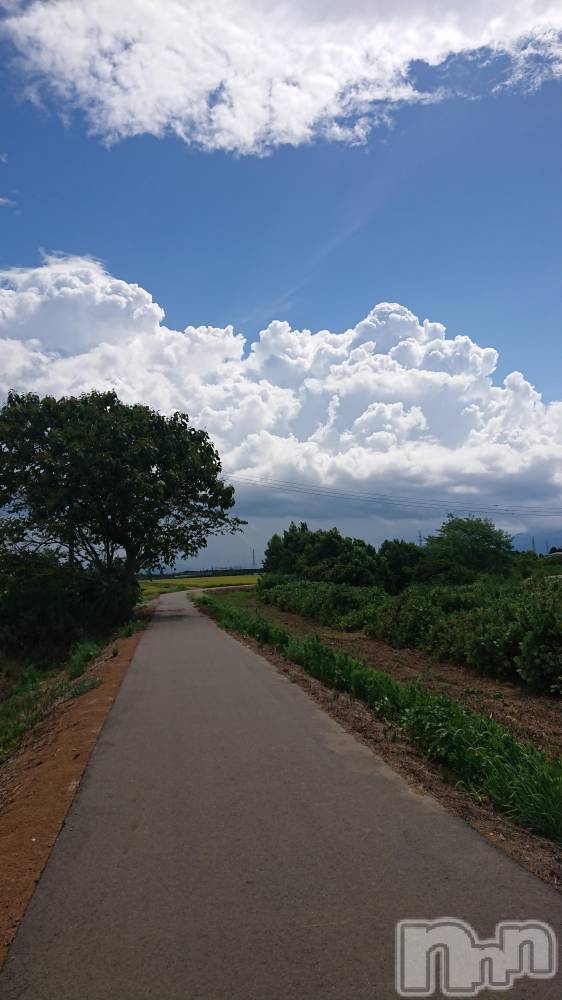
{"x": 230, "y": 842}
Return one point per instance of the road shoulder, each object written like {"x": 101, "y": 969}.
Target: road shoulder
{"x": 38, "y": 784}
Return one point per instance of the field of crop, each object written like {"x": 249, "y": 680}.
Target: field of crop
{"x": 152, "y": 588}
{"x": 520, "y": 780}
{"x": 510, "y": 630}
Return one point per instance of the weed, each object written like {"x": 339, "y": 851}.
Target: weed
{"x": 81, "y": 656}
{"x": 82, "y": 686}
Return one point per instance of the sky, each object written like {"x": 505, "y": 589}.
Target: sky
{"x": 332, "y": 236}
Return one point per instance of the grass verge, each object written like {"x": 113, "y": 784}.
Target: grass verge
{"x": 36, "y": 691}
{"x": 520, "y": 781}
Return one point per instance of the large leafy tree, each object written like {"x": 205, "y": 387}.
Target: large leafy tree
{"x": 465, "y": 547}
{"x": 108, "y": 484}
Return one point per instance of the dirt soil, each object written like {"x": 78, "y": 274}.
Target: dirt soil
{"x": 38, "y": 783}
{"x": 529, "y": 715}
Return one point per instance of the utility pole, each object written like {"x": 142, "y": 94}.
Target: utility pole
{"x": 420, "y": 538}
{"x": 253, "y": 558}
{"x": 533, "y": 544}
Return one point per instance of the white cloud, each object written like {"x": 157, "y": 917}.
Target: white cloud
{"x": 7, "y": 203}
{"x": 390, "y": 405}
{"x": 246, "y": 75}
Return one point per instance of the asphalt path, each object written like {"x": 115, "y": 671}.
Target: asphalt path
{"x": 229, "y": 841}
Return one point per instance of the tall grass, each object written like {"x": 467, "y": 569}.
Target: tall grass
{"x": 516, "y": 777}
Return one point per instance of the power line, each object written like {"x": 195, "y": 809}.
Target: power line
{"x": 405, "y": 502}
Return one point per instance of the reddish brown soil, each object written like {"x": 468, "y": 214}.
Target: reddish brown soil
{"x": 38, "y": 783}
{"x": 524, "y": 712}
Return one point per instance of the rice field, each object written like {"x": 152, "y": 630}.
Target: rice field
{"x": 152, "y": 588}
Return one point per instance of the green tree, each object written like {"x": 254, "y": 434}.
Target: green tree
{"x": 465, "y": 547}
{"x": 107, "y": 484}
{"x": 398, "y": 562}
{"x": 321, "y": 555}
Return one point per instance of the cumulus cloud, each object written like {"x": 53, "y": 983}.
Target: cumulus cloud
{"x": 247, "y": 75}
{"x": 391, "y": 405}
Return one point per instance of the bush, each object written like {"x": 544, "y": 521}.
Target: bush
{"x": 508, "y": 629}
{"x": 334, "y": 604}
{"x": 514, "y": 632}
{"x": 404, "y": 620}
{"x": 47, "y": 606}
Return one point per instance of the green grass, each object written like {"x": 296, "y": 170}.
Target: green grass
{"x": 152, "y": 588}
{"x": 80, "y": 658}
{"x": 516, "y": 777}
{"x": 34, "y": 692}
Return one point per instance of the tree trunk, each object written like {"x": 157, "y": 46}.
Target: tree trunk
{"x": 131, "y": 562}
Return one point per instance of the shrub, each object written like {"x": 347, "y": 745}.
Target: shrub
{"x": 47, "y": 606}
{"x": 340, "y": 605}
{"x": 509, "y": 629}
{"x": 512, "y": 631}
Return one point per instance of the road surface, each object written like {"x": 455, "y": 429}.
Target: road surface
{"x": 230, "y": 841}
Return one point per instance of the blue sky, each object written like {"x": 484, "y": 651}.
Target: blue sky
{"x": 265, "y": 183}
{"x": 454, "y": 211}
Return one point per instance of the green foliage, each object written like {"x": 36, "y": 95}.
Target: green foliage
{"x": 47, "y": 606}
{"x": 325, "y": 556}
{"x": 30, "y": 693}
{"x": 97, "y": 479}
{"x": 398, "y": 563}
{"x": 508, "y": 629}
{"x": 461, "y": 551}
{"x": 518, "y": 778}
{"x": 463, "y": 548}
{"x": 81, "y": 657}
{"x": 334, "y": 604}
{"x": 27, "y": 703}
{"x": 513, "y": 632}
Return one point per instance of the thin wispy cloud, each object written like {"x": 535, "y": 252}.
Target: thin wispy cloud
{"x": 246, "y": 76}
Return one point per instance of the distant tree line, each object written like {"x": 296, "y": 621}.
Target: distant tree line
{"x": 460, "y": 551}
{"x": 465, "y": 596}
